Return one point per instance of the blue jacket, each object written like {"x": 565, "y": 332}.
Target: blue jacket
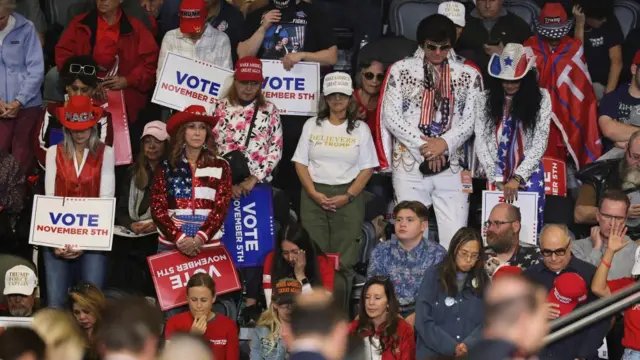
{"x": 264, "y": 349}
{"x": 21, "y": 64}
{"x": 442, "y": 322}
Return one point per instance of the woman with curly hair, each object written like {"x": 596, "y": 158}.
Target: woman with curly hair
{"x": 386, "y": 335}
{"x": 334, "y": 160}
{"x": 512, "y": 132}
{"x": 449, "y": 309}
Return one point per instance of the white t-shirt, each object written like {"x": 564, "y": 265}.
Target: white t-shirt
{"x": 372, "y": 348}
{"x": 333, "y": 156}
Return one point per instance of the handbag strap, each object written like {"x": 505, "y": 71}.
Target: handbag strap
{"x": 253, "y": 121}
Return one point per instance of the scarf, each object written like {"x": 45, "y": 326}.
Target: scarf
{"x": 437, "y": 97}
{"x": 135, "y": 199}
{"x": 510, "y": 139}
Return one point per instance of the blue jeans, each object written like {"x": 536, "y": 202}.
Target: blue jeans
{"x": 631, "y": 354}
{"x": 61, "y": 274}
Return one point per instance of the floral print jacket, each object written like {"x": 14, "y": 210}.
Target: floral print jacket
{"x": 265, "y": 147}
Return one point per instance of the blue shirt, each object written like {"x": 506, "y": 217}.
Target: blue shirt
{"x": 443, "y": 321}
{"x": 584, "y": 343}
{"x": 405, "y": 268}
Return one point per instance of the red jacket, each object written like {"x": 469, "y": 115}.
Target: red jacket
{"x": 326, "y": 268}
{"x": 403, "y": 349}
{"x": 137, "y": 50}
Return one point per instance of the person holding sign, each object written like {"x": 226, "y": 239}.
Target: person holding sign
{"x": 266, "y": 341}
{"x": 334, "y": 160}
{"x": 512, "y": 133}
{"x": 79, "y": 166}
{"x": 192, "y": 189}
{"x": 79, "y": 76}
{"x": 196, "y": 38}
{"x": 220, "y": 331}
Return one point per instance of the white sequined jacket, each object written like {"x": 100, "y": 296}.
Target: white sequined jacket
{"x": 401, "y": 109}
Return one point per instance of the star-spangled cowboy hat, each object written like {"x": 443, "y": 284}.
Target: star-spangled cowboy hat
{"x": 512, "y": 64}
{"x": 553, "y": 21}
{"x": 79, "y": 114}
{"x": 190, "y": 114}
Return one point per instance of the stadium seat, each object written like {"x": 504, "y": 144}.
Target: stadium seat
{"x": 528, "y": 10}
{"x": 405, "y": 15}
{"x": 627, "y": 12}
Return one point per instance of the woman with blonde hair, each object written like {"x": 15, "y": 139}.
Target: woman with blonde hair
{"x": 86, "y": 303}
{"x": 80, "y": 166}
{"x": 266, "y": 341}
{"x": 61, "y": 334}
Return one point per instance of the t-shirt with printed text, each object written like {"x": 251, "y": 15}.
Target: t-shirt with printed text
{"x": 221, "y": 334}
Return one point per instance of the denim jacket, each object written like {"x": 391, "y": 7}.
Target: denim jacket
{"x": 442, "y": 322}
{"x": 262, "y": 348}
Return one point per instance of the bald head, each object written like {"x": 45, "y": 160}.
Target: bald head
{"x": 555, "y": 246}
{"x": 507, "y": 212}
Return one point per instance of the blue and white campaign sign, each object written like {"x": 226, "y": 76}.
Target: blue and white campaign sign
{"x": 83, "y": 223}
{"x": 294, "y": 92}
{"x": 184, "y": 81}
{"x": 249, "y": 230}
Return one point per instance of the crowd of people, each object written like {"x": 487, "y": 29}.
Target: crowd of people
{"x": 484, "y": 101}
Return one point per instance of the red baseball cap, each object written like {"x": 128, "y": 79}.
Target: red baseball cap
{"x": 569, "y": 289}
{"x": 193, "y": 16}
{"x": 505, "y": 269}
{"x": 249, "y": 68}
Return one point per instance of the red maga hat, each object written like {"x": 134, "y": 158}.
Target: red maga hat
{"x": 249, "y": 68}
{"x": 193, "y": 16}
{"x": 569, "y": 289}
{"x": 190, "y": 114}
{"x": 79, "y": 113}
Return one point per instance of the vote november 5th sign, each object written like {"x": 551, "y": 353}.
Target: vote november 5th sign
{"x": 249, "y": 232}
{"x": 184, "y": 81}
{"x": 294, "y": 92}
{"x": 172, "y": 270}
{"x": 86, "y": 223}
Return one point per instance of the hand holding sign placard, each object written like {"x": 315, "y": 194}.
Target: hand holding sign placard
{"x": 249, "y": 233}
{"x": 184, "y": 81}
{"x": 294, "y": 92}
{"x": 172, "y": 270}
{"x": 527, "y": 202}
{"x": 84, "y": 223}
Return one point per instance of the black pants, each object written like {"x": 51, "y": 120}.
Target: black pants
{"x": 614, "y": 339}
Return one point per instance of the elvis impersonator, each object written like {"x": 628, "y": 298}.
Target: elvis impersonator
{"x": 427, "y": 117}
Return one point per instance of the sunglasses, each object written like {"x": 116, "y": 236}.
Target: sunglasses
{"x": 557, "y": 252}
{"x": 369, "y": 76}
{"x": 89, "y": 70}
{"x": 82, "y": 289}
{"x": 434, "y": 47}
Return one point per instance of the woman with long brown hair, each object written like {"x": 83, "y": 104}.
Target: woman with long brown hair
{"x": 192, "y": 189}
{"x": 86, "y": 303}
{"x": 386, "y": 335}
{"x": 129, "y": 270}
{"x": 449, "y": 309}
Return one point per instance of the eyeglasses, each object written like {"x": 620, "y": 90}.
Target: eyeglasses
{"x": 557, "y": 252}
{"x": 497, "y": 223}
{"x": 369, "y": 76}
{"x": 89, "y": 70}
{"x": 434, "y": 47}
{"x": 82, "y": 289}
{"x": 250, "y": 83}
{"x": 470, "y": 256}
{"x": 612, "y": 217}
{"x": 338, "y": 97}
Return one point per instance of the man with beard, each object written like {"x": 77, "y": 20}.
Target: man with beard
{"x": 20, "y": 283}
{"x": 611, "y": 174}
{"x": 503, "y": 240}
{"x": 619, "y": 115}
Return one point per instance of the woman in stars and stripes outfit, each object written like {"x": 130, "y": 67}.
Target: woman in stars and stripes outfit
{"x": 192, "y": 189}
{"x": 512, "y": 133}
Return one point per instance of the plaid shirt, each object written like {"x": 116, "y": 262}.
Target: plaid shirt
{"x": 213, "y": 47}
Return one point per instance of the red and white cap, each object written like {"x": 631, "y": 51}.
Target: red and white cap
{"x": 569, "y": 289}
{"x": 553, "y": 21}
{"x": 249, "y": 68}
{"x": 193, "y": 16}
{"x": 512, "y": 64}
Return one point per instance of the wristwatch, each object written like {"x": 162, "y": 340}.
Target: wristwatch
{"x": 304, "y": 281}
{"x": 351, "y": 197}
